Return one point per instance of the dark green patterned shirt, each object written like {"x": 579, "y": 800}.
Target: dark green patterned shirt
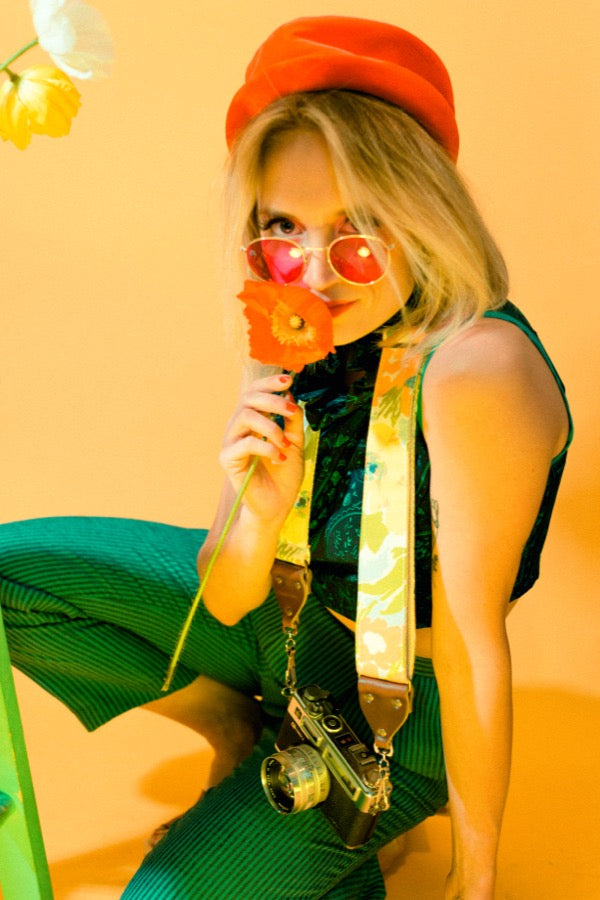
{"x": 337, "y": 392}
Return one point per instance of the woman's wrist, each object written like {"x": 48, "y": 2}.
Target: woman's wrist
{"x": 263, "y": 524}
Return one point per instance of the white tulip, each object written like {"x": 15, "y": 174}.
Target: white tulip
{"x": 75, "y": 36}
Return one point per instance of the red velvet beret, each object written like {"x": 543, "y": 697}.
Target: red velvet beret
{"x": 317, "y": 53}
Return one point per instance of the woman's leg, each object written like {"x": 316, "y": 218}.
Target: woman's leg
{"x": 230, "y": 721}
{"x": 93, "y": 609}
{"x": 233, "y": 844}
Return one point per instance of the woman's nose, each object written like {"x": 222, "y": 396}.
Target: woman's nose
{"x": 318, "y": 274}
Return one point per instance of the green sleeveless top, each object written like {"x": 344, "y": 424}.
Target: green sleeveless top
{"x": 337, "y": 395}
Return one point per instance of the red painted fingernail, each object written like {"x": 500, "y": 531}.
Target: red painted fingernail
{"x": 285, "y": 441}
{"x": 282, "y": 457}
{"x": 284, "y": 379}
{"x": 291, "y": 407}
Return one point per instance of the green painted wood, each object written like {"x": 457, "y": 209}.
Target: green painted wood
{"x": 23, "y": 867}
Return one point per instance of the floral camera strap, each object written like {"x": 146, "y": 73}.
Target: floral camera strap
{"x": 385, "y": 623}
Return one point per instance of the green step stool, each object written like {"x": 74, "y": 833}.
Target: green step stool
{"x": 24, "y": 871}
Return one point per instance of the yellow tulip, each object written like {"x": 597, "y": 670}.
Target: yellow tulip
{"x": 41, "y": 100}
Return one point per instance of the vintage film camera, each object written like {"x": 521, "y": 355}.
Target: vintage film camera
{"x": 322, "y": 762}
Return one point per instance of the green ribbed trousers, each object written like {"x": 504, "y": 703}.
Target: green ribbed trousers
{"x": 92, "y": 609}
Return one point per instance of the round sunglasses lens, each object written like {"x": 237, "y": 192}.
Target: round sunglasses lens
{"x": 358, "y": 259}
{"x": 275, "y": 260}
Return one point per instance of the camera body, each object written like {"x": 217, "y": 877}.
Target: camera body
{"x": 322, "y": 762}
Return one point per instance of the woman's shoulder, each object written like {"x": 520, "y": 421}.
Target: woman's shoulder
{"x": 493, "y": 369}
{"x": 490, "y": 348}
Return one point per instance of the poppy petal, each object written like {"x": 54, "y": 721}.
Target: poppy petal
{"x": 289, "y": 326}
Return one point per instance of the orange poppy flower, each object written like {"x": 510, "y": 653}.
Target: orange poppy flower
{"x": 289, "y": 326}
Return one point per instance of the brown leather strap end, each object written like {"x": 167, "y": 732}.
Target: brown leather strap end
{"x": 291, "y": 586}
{"x": 386, "y": 706}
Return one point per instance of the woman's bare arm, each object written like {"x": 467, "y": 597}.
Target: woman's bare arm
{"x": 493, "y": 420}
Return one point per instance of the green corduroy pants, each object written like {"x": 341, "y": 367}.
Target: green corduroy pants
{"x": 93, "y": 607}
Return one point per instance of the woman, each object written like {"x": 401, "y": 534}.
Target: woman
{"x": 343, "y": 127}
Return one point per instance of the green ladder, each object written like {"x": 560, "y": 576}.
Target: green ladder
{"x": 23, "y": 867}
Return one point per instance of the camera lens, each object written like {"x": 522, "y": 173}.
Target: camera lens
{"x": 295, "y": 779}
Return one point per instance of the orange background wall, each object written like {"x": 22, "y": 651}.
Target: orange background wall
{"x": 114, "y": 390}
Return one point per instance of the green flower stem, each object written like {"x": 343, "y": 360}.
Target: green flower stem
{"x": 19, "y": 53}
{"x": 188, "y": 622}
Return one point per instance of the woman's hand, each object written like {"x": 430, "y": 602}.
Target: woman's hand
{"x": 246, "y": 557}
{"x": 252, "y": 432}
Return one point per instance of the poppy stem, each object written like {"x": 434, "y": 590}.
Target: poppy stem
{"x": 19, "y": 53}
{"x": 195, "y": 602}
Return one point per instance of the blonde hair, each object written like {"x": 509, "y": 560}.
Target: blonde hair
{"x": 392, "y": 175}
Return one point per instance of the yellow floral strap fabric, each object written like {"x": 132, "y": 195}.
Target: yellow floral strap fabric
{"x": 385, "y": 619}
{"x": 293, "y": 546}
{"x": 385, "y": 625}
{"x": 291, "y": 575}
